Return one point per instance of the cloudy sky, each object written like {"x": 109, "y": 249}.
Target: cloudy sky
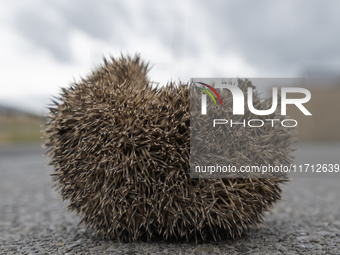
{"x": 48, "y": 44}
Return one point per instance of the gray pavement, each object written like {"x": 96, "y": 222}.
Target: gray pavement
{"x": 33, "y": 220}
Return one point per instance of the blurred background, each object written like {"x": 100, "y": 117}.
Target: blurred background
{"x": 48, "y": 44}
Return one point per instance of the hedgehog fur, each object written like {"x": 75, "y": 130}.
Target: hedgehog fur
{"x": 121, "y": 149}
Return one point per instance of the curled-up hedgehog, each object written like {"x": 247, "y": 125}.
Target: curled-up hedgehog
{"x": 121, "y": 153}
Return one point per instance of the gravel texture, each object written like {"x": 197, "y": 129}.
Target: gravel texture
{"x": 33, "y": 220}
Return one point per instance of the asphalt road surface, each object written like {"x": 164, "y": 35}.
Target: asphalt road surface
{"x": 33, "y": 220}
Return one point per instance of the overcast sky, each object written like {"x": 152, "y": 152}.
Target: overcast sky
{"x": 45, "y": 45}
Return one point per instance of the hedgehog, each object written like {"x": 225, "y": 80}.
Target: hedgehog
{"x": 120, "y": 151}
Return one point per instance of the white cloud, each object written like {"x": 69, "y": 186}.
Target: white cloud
{"x": 45, "y": 44}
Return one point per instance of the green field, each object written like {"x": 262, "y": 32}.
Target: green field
{"x": 20, "y": 129}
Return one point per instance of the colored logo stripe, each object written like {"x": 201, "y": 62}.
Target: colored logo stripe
{"x": 207, "y": 91}
{"x": 210, "y": 93}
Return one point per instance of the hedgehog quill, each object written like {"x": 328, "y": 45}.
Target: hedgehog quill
{"x": 121, "y": 150}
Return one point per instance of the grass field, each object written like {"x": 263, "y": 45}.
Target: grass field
{"x": 16, "y": 129}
